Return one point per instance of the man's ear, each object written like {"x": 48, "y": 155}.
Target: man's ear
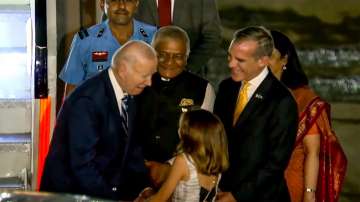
{"x": 264, "y": 61}
{"x": 186, "y": 61}
{"x": 122, "y": 69}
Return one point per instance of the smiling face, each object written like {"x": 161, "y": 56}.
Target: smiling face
{"x": 172, "y": 57}
{"x": 242, "y": 62}
{"x": 120, "y": 12}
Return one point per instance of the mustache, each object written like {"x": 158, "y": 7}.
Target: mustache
{"x": 121, "y": 11}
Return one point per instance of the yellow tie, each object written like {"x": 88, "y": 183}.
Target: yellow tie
{"x": 241, "y": 101}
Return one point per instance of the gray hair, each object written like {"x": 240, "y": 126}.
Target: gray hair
{"x": 131, "y": 50}
{"x": 258, "y": 34}
{"x": 173, "y": 32}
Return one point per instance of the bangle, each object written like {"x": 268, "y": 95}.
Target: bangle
{"x": 310, "y": 190}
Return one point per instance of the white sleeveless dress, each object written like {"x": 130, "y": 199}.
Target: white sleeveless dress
{"x": 189, "y": 191}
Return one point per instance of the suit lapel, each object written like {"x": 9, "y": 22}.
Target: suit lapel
{"x": 151, "y": 4}
{"x": 178, "y": 11}
{"x": 114, "y": 105}
{"x": 234, "y": 92}
{"x": 131, "y": 115}
{"x": 256, "y": 99}
{"x": 112, "y": 98}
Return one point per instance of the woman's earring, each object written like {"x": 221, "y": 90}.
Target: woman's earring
{"x": 284, "y": 67}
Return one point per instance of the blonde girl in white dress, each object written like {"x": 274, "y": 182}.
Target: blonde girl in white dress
{"x": 202, "y": 155}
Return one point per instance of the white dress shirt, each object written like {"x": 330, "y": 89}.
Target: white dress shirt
{"x": 255, "y": 82}
{"x": 209, "y": 99}
{"x": 119, "y": 93}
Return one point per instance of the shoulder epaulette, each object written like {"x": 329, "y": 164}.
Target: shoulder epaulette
{"x": 83, "y": 33}
{"x": 142, "y": 31}
{"x": 100, "y": 33}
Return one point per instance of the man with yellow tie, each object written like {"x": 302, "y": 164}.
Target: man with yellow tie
{"x": 260, "y": 118}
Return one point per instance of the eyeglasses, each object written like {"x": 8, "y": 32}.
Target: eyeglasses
{"x": 164, "y": 56}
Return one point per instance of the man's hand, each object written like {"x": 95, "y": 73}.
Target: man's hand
{"x": 225, "y": 197}
{"x": 158, "y": 172}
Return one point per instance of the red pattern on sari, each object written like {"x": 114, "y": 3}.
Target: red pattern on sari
{"x": 332, "y": 160}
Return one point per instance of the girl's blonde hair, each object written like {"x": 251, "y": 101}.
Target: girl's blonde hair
{"x": 202, "y": 136}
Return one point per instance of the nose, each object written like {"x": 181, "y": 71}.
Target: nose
{"x": 122, "y": 4}
{"x": 231, "y": 63}
{"x": 169, "y": 60}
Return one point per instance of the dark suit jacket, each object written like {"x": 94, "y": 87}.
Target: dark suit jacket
{"x": 199, "y": 18}
{"x": 159, "y": 112}
{"x": 90, "y": 152}
{"x": 261, "y": 142}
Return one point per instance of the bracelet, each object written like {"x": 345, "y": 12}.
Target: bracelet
{"x": 310, "y": 190}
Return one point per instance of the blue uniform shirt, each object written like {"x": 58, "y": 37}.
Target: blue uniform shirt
{"x": 92, "y": 50}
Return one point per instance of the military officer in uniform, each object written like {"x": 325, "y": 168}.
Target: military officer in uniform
{"x": 92, "y": 48}
{"x": 173, "y": 91}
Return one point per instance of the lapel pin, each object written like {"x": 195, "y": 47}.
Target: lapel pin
{"x": 185, "y": 104}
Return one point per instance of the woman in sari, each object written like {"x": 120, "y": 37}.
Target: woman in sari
{"x": 317, "y": 166}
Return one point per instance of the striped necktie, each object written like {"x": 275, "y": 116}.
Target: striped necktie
{"x": 241, "y": 101}
{"x": 124, "y": 113}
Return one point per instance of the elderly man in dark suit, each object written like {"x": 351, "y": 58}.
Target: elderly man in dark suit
{"x": 199, "y": 18}
{"x": 94, "y": 150}
{"x": 173, "y": 91}
{"x": 260, "y": 117}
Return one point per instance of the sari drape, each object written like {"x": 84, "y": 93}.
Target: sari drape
{"x": 332, "y": 159}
